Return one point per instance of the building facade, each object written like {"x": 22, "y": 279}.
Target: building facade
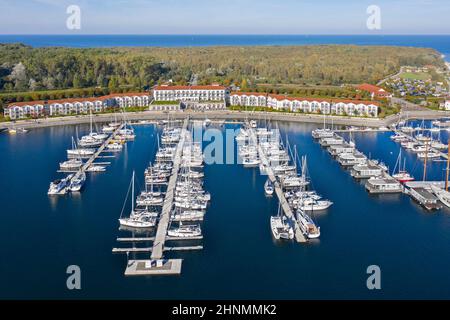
{"x": 305, "y": 105}
{"x": 35, "y": 109}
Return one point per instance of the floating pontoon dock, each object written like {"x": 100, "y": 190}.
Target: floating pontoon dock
{"x": 91, "y": 160}
{"x": 168, "y": 238}
{"x": 299, "y": 237}
{"x": 157, "y": 265}
{"x": 153, "y": 267}
{"x": 164, "y": 220}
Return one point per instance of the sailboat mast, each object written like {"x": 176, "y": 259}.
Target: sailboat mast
{"x": 425, "y": 162}
{"x": 295, "y": 155}
{"x": 448, "y": 163}
{"x": 90, "y": 119}
{"x": 132, "y": 193}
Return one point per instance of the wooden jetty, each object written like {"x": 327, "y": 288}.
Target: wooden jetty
{"x": 161, "y": 232}
{"x": 91, "y": 160}
{"x": 150, "y": 249}
{"x": 299, "y": 236}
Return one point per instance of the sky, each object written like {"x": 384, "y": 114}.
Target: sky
{"x": 225, "y": 16}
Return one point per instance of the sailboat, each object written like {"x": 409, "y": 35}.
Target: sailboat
{"x": 437, "y": 144}
{"x": 351, "y": 141}
{"x": 185, "y": 231}
{"x": 136, "y": 219}
{"x": 281, "y": 228}
{"x": 79, "y": 152}
{"x": 322, "y": 133}
{"x": 77, "y": 182}
{"x": 110, "y": 127}
{"x": 59, "y": 186}
{"x": 402, "y": 175}
{"x": 268, "y": 187}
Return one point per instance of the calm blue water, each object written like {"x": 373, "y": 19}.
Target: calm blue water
{"x": 41, "y": 236}
{"x": 440, "y": 43}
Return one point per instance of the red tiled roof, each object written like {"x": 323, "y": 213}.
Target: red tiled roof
{"x": 372, "y": 89}
{"x": 91, "y": 99}
{"x": 209, "y": 87}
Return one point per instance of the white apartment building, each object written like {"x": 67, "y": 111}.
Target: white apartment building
{"x": 189, "y": 93}
{"x": 126, "y": 100}
{"x": 20, "y": 110}
{"x": 24, "y": 110}
{"x": 306, "y": 105}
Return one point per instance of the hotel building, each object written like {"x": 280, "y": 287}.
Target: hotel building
{"x": 211, "y": 97}
{"x": 306, "y": 105}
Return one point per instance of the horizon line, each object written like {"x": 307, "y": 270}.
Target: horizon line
{"x": 222, "y": 34}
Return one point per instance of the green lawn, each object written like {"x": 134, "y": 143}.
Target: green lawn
{"x": 416, "y": 76}
{"x": 158, "y": 103}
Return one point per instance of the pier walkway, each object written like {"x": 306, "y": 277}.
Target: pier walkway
{"x": 161, "y": 232}
{"x": 168, "y": 238}
{"x": 91, "y": 160}
{"x": 299, "y": 237}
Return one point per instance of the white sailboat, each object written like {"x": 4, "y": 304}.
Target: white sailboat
{"x": 59, "y": 186}
{"x": 71, "y": 164}
{"x": 402, "y": 175}
{"x": 79, "y": 152}
{"x": 77, "y": 182}
{"x": 280, "y": 226}
{"x": 137, "y": 219}
{"x": 185, "y": 231}
{"x": 268, "y": 187}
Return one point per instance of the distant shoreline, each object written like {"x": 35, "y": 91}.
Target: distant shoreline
{"x": 209, "y": 40}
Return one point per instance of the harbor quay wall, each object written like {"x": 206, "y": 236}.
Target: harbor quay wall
{"x": 225, "y": 115}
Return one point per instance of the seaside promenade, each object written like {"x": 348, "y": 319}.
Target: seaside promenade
{"x": 228, "y": 115}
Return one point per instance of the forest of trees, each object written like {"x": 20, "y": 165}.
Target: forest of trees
{"x": 27, "y": 69}
{"x": 24, "y": 68}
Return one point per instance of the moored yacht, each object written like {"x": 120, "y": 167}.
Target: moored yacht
{"x": 185, "y": 231}
{"x": 309, "y": 204}
{"x": 71, "y": 164}
{"x": 188, "y": 215}
{"x": 59, "y": 186}
{"x": 77, "y": 182}
{"x": 307, "y": 225}
{"x": 268, "y": 187}
{"x": 281, "y": 229}
{"x": 137, "y": 219}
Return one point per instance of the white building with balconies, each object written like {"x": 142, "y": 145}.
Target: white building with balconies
{"x": 305, "y": 105}
{"x": 189, "y": 93}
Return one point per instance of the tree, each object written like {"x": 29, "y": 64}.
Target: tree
{"x": 19, "y": 76}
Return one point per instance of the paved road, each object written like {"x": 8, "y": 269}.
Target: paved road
{"x": 412, "y": 112}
